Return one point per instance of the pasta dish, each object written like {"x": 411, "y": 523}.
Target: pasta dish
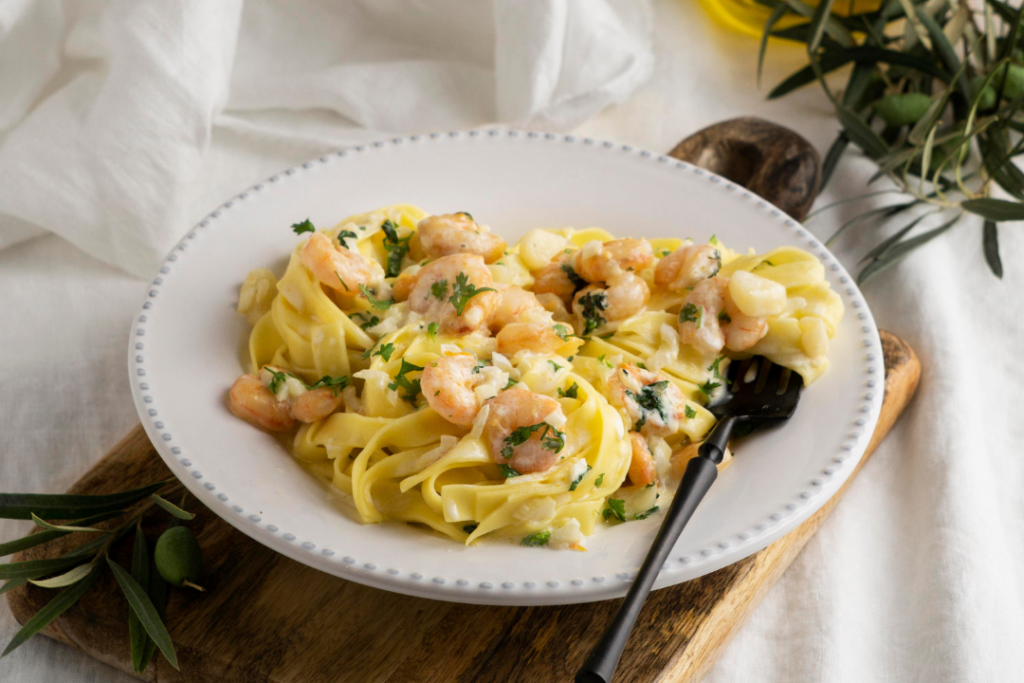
{"x": 428, "y": 372}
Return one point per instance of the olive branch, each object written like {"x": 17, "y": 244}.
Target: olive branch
{"x": 934, "y": 97}
{"x": 175, "y": 560}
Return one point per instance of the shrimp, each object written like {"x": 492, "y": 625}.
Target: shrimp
{"x": 463, "y": 277}
{"x": 448, "y": 385}
{"x": 517, "y": 408}
{"x": 642, "y": 471}
{"x": 250, "y": 400}
{"x": 339, "y": 268}
{"x": 686, "y": 266}
{"x": 558, "y": 278}
{"x": 515, "y": 304}
{"x": 315, "y": 404}
{"x": 458, "y": 233}
{"x": 710, "y": 320}
{"x": 652, "y": 401}
{"x": 532, "y": 337}
{"x": 403, "y": 284}
{"x": 597, "y": 262}
{"x": 624, "y": 296}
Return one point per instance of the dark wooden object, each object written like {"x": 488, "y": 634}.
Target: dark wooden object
{"x": 265, "y": 617}
{"x": 766, "y": 158}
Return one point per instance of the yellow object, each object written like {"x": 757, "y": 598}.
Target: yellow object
{"x": 747, "y": 16}
{"x": 393, "y": 457}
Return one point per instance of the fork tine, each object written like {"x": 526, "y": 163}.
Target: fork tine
{"x": 737, "y": 379}
{"x": 762, "y": 374}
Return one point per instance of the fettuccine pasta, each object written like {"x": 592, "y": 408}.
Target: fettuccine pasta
{"x": 430, "y": 373}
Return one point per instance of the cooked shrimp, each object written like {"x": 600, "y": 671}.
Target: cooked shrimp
{"x": 555, "y": 306}
{"x": 257, "y": 405}
{"x": 438, "y": 281}
{"x": 315, "y": 404}
{"x": 404, "y": 283}
{"x": 652, "y": 401}
{"x": 558, "y": 278}
{"x": 515, "y": 304}
{"x": 686, "y": 266}
{"x": 448, "y": 385}
{"x": 624, "y": 296}
{"x": 710, "y": 320}
{"x": 597, "y": 262}
{"x": 339, "y": 268}
{"x": 532, "y": 337}
{"x": 517, "y": 408}
{"x": 642, "y": 471}
{"x": 458, "y": 233}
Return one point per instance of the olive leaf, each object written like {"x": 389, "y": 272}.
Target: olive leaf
{"x": 990, "y": 245}
{"x": 69, "y": 506}
{"x": 897, "y": 252}
{"x": 32, "y": 540}
{"x": 143, "y": 608}
{"x": 158, "y": 590}
{"x": 995, "y": 209}
{"x": 67, "y": 578}
{"x": 137, "y": 635}
{"x": 68, "y": 528}
{"x": 173, "y": 509}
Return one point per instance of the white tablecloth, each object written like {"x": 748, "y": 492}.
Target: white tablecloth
{"x": 916, "y": 576}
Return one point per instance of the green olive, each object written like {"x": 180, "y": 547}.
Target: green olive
{"x": 988, "y": 96}
{"x": 1014, "y": 87}
{"x": 902, "y": 109}
{"x": 177, "y": 557}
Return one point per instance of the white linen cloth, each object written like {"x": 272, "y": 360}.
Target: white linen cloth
{"x": 916, "y": 574}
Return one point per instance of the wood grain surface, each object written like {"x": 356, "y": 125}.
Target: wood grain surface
{"x": 265, "y": 617}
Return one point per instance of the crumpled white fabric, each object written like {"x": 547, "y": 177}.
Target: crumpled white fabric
{"x": 110, "y": 158}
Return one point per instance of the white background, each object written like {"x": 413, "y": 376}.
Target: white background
{"x": 916, "y": 576}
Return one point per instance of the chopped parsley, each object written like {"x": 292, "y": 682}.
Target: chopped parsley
{"x": 538, "y": 539}
{"x": 346, "y": 234}
{"x": 342, "y": 281}
{"x": 508, "y": 471}
{"x": 692, "y": 314}
{"x": 411, "y": 387}
{"x": 555, "y": 366}
{"x": 690, "y": 412}
{"x": 713, "y": 240}
{"x": 599, "y": 480}
{"x": 708, "y": 387}
{"x": 580, "y": 478}
{"x": 470, "y": 528}
{"x": 665, "y": 252}
{"x": 563, "y": 332}
{"x": 616, "y": 510}
{"x": 645, "y": 515}
{"x": 395, "y": 246}
{"x": 607, "y": 336}
{"x": 467, "y": 214}
{"x": 368, "y": 320}
{"x": 510, "y": 383}
{"x": 578, "y": 283}
{"x": 438, "y": 290}
{"x": 379, "y": 304}
{"x": 463, "y": 291}
{"x": 336, "y": 383}
{"x": 713, "y": 368}
{"x": 593, "y": 303}
{"x": 304, "y": 226}
{"x": 650, "y": 400}
{"x": 570, "y": 392}
{"x": 432, "y": 329}
{"x": 479, "y": 366}
{"x": 641, "y": 365}
{"x": 602, "y": 361}
{"x": 550, "y": 438}
{"x": 278, "y": 379}
{"x": 725, "y": 317}
{"x": 385, "y": 351}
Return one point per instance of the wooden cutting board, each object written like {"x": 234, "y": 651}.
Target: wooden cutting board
{"x": 265, "y": 617}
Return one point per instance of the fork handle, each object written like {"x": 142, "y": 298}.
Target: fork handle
{"x": 700, "y": 474}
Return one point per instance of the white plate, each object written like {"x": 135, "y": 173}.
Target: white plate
{"x": 188, "y": 345}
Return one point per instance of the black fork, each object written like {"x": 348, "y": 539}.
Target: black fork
{"x": 758, "y": 392}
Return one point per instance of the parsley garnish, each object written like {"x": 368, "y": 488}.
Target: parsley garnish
{"x": 479, "y": 366}
{"x": 689, "y": 412}
{"x": 713, "y": 368}
{"x": 600, "y": 359}
{"x": 645, "y": 515}
{"x": 570, "y": 392}
{"x": 343, "y": 235}
{"x": 599, "y": 480}
{"x": 607, "y": 336}
{"x": 555, "y": 365}
{"x": 467, "y": 214}
{"x": 342, "y": 281}
{"x": 563, "y": 332}
{"x": 304, "y": 226}
{"x": 577, "y": 480}
{"x": 379, "y": 304}
{"x": 463, "y": 291}
{"x": 713, "y": 240}
{"x": 593, "y": 303}
{"x": 692, "y": 314}
{"x": 641, "y": 365}
{"x": 665, "y": 252}
{"x": 432, "y": 329}
{"x": 395, "y": 246}
{"x": 411, "y": 387}
{"x": 649, "y": 401}
{"x": 725, "y": 317}
{"x": 335, "y": 383}
{"x": 438, "y": 290}
{"x": 550, "y": 438}
{"x": 616, "y": 509}
{"x": 508, "y": 471}
{"x": 578, "y": 283}
{"x": 510, "y": 383}
{"x": 708, "y": 387}
{"x": 470, "y": 528}
{"x": 370, "y": 321}
{"x": 385, "y": 351}
{"x": 538, "y": 539}
{"x": 278, "y": 379}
